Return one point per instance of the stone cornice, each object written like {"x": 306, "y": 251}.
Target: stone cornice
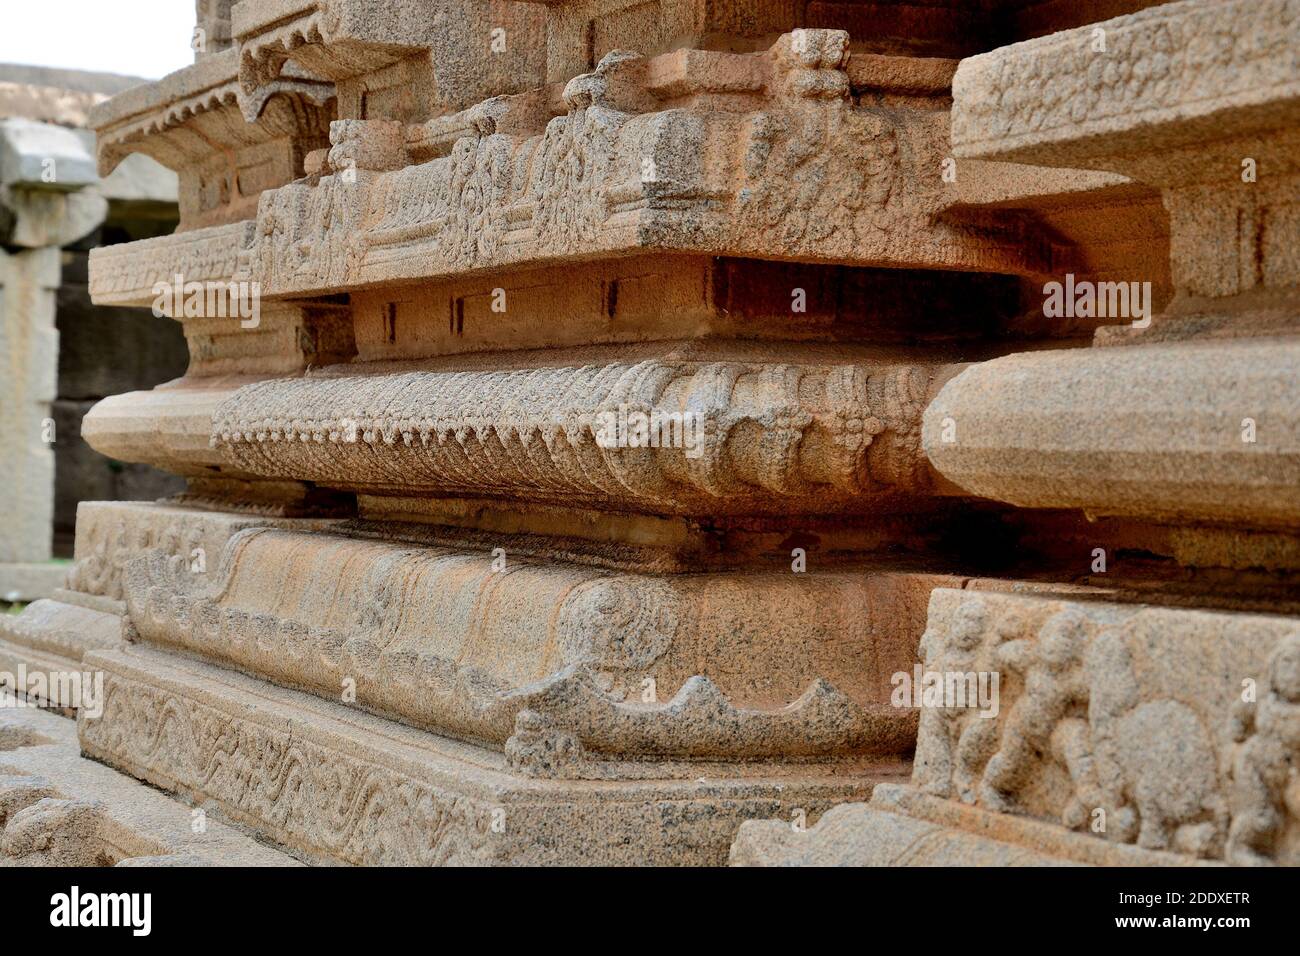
{"x": 768, "y": 156}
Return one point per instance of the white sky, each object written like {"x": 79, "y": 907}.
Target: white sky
{"x": 147, "y": 38}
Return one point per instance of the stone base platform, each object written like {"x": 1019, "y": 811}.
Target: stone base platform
{"x": 51, "y": 635}
{"x": 904, "y": 827}
{"x": 335, "y": 783}
{"x": 58, "y": 808}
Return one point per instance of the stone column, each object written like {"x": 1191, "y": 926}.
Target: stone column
{"x": 44, "y": 204}
{"x": 29, "y": 342}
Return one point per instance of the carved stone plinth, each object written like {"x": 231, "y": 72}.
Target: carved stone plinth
{"x": 598, "y": 416}
{"x": 339, "y": 785}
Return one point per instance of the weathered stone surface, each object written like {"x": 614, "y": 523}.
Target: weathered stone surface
{"x": 408, "y": 60}
{"x": 367, "y": 791}
{"x": 29, "y": 341}
{"x": 57, "y": 631}
{"x": 418, "y": 605}
{"x": 735, "y": 437}
{"x": 1199, "y": 98}
{"x": 176, "y": 120}
{"x": 1176, "y": 76}
{"x": 901, "y": 827}
{"x": 631, "y": 163}
{"x": 213, "y": 31}
{"x": 59, "y": 809}
{"x": 576, "y": 645}
{"x": 110, "y": 534}
{"x": 1194, "y": 431}
{"x": 1131, "y": 723}
{"x": 50, "y": 196}
{"x": 43, "y": 156}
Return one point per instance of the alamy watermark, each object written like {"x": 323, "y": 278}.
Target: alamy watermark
{"x": 627, "y": 427}
{"x": 1084, "y": 299}
{"x": 78, "y": 690}
{"x": 209, "y": 300}
{"x": 949, "y": 690}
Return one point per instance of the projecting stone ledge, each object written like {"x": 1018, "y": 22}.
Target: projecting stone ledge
{"x": 1200, "y": 99}
{"x": 571, "y": 646}
{"x": 645, "y": 154}
{"x": 413, "y": 57}
{"x": 1204, "y": 432}
{"x": 727, "y": 437}
{"x": 1130, "y": 92}
{"x": 179, "y": 119}
{"x": 368, "y": 791}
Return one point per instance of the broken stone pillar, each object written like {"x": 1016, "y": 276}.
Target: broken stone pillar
{"x": 1150, "y": 716}
{"x": 28, "y": 280}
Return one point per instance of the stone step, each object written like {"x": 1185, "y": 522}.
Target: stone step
{"x": 58, "y": 808}
{"x": 334, "y": 783}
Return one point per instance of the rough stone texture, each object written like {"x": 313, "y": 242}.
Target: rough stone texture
{"x": 407, "y": 58}
{"x": 85, "y": 607}
{"x": 59, "y": 809}
{"x": 768, "y": 435}
{"x": 1127, "y": 723}
{"x": 573, "y": 645}
{"x": 414, "y": 606}
{"x": 176, "y": 120}
{"x": 43, "y": 156}
{"x": 1139, "y": 727}
{"x": 372, "y": 792}
{"x": 1129, "y": 431}
{"x": 29, "y": 342}
{"x": 646, "y": 153}
{"x": 212, "y": 30}
{"x": 1183, "y": 97}
{"x": 1184, "y": 94}
{"x": 901, "y": 827}
{"x": 1133, "y": 711}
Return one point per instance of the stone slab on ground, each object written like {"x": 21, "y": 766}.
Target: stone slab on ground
{"x": 57, "y": 807}
{"x": 902, "y": 827}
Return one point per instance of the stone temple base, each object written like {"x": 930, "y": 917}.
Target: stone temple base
{"x": 1126, "y": 734}
{"x": 331, "y": 782}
